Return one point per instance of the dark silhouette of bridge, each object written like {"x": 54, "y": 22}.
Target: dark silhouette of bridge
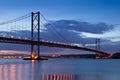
{"x": 35, "y": 41}
{"x": 48, "y": 43}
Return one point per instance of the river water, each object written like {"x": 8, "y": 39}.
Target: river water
{"x": 60, "y": 69}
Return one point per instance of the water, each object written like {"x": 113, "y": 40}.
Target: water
{"x": 60, "y": 69}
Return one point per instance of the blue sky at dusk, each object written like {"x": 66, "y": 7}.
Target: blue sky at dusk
{"x": 86, "y": 10}
{"x": 84, "y": 20}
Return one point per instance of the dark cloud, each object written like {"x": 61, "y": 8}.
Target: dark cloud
{"x": 67, "y": 29}
{"x": 63, "y": 25}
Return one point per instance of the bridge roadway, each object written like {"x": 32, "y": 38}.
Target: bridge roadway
{"x": 49, "y": 44}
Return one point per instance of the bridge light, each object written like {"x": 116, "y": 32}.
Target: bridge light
{"x": 55, "y": 42}
{"x": 19, "y": 37}
{"x": 3, "y": 35}
{"x": 25, "y": 38}
{"x": 43, "y": 40}
{"x": 47, "y": 41}
{"x": 110, "y": 55}
{"x": 32, "y": 54}
{"x": 35, "y": 57}
{"x": 51, "y": 42}
{"x": 11, "y": 36}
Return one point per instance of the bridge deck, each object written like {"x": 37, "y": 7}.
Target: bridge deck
{"x": 49, "y": 44}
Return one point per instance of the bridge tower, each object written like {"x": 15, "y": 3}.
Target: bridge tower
{"x": 97, "y": 44}
{"x": 35, "y": 33}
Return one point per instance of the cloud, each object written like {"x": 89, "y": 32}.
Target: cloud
{"x": 71, "y": 30}
{"x": 112, "y": 35}
{"x": 90, "y": 44}
{"x": 85, "y": 33}
{"x": 80, "y": 26}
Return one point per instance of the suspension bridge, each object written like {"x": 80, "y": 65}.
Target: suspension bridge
{"x": 12, "y": 31}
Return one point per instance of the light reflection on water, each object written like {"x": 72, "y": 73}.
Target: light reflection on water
{"x": 59, "y": 69}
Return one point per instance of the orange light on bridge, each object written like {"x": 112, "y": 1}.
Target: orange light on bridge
{"x": 32, "y": 56}
{"x": 35, "y": 57}
{"x": 97, "y": 57}
{"x": 110, "y": 55}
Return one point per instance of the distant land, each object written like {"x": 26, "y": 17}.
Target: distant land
{"x": 90, "y": 56}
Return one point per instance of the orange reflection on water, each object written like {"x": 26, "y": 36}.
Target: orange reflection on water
{"x": 19, "y": 71}
{"x": 56, "y": 77}
{"x": 33, "y": 61}
{"x": 1, "y": 72}
{"x": 5, "y": 72}
{"x": 32, "y": 71}
{"x": 69, "y": 77}
{"x": 12, "y": 72}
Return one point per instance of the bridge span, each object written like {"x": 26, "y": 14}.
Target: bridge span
{"x": 49, "y": 44}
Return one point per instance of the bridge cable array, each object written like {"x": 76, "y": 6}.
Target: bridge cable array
{"x": 57, "y": 33}
{"x": 17, "y": 19}
{"x": 15, "y": 27}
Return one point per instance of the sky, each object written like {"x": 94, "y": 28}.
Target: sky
{"x": 86, "y": 10}
{"x": 84, "y": 20}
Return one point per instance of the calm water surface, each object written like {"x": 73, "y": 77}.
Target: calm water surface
{"x": 60, "y": 69}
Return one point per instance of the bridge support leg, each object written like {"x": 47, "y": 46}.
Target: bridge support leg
{"x": 35, "y": 34}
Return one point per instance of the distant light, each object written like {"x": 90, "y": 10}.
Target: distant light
{"x": 35, "y": 57}
{"x": 11, "y": 36}
{"x": 19, "y": 37}
{"x": 3, "y": 35}
{"x": 42, "y": 40}
{"x": 25, "y": 38}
